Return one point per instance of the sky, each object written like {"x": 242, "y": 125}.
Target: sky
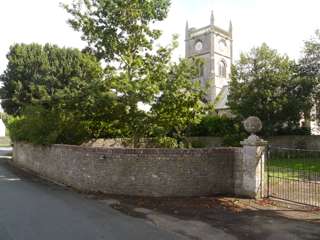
{"x": 283, "y": 24}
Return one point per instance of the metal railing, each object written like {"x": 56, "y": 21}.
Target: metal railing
{"x": 294, "y": 175}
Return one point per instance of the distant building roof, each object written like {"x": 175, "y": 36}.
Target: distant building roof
{"x": 222, "y": 99}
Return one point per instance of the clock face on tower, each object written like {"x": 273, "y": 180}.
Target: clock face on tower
{"x": 198, "y": 46}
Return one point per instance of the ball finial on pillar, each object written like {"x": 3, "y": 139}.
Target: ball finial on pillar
{"x": 253, "y": 125}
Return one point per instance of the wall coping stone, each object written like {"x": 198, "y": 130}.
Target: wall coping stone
{"x": 149, "y": 151}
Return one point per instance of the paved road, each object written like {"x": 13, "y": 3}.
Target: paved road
{"x": 31, "y": 209}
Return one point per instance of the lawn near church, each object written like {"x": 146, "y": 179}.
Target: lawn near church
{"x": 294, "y": 163}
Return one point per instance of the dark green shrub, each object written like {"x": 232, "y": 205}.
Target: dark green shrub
{"x": 294, "y": 131}
{"x": 40, "y": 126}
{"x": 197, "y": 144}
{"x": 166, "y": 142}
{"x": 229, "y": 129}
{"x": 213, "y": 125}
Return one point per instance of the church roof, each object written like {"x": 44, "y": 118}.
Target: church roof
{"x": 222, "y": 99}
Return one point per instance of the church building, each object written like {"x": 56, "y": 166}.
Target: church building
{"x": 214, "y": 46}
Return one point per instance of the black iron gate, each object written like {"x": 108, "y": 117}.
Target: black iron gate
{"x": 294, "y": 175}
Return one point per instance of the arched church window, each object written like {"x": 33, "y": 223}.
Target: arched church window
{"x": 222, "y": 69}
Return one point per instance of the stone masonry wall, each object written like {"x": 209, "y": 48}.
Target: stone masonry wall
{"x": 141, "y": 172}
{"x": 301, "y": 142}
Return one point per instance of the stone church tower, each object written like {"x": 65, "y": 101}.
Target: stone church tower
{"x": 214, "y": 46}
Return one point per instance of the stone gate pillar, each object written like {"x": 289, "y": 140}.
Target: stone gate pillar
{"x": 250, "y": 177}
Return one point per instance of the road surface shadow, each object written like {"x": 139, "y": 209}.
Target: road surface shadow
{"x": 234, "y": 216}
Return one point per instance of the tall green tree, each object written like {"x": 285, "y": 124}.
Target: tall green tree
{"x": 309, "y": 69}
{"x": 47, "y": 76}
{"x": 310, "y": 61}
{"x": 266, "y": 84}
{"x": 56, "y": 95}
{"x": 119, "y": 33}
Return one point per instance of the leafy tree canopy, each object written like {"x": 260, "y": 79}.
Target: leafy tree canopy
{"x": 309, "y": 70}
{"x": 310, "y": 60}
{"x": 118, "y": 30}
{"x": 46, "y": 75}
{"x": 266, "y": 84}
